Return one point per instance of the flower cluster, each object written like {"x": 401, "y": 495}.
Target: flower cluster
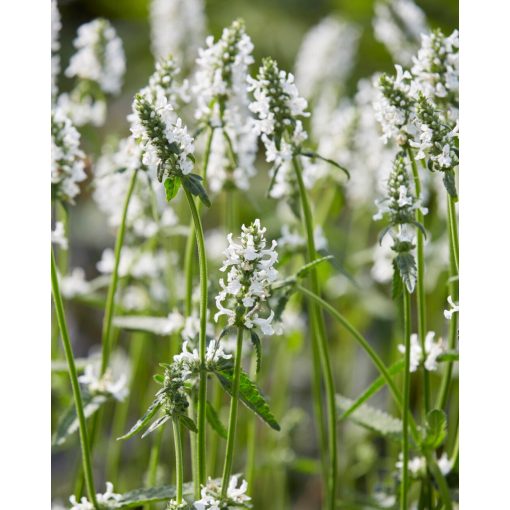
{"x": 166, "y": 144}
{"x": 163, "y": 83}
{"x": 278, "y": 105}
{"x": 211, "y": 499}
{"x": 398, "y": 25}
{"x": 177, "y": 28}
{"x": 99, "y": 66}
{"x": 107, "y": 500}
{"x": 436, "y": 66}
{"x": 250, "y": 274}
{"x": 326, "y": 56}
{"x": 426, "y": 356}
{"x": 67, "y": 160}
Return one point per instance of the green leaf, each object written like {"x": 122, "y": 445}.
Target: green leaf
{"x": 155, "y": 325}
{"x": 68, "y": 423}
{"x": 396, "y": 283}
{"x": 371, "y": 418}
{"x": 407, "y": 268}
{"x": 449, "y": 183}
{"x": 140, "y": 497}
{"x": 214, "y": 420}
{"x": 377, "y": 385}
{"x": 255, "y": 340}
{"x": 305, "y": 270}
{"x": 435, "y": 429}
{"x": 193, "y": 183}
{"x": 159, "y": 378}
{"x": 155, "y": 424}
{"x": 144, "y": 420}
{"x": 188, "y": 423}
{"x": 171, "y": 187}
{"x": 249, "y": 394}
{"x": 314, "y": 155}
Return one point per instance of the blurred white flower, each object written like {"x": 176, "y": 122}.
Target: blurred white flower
{"x": 428, "y": 356}
{"x": 454, "y": 308}
{"x": 58, "y": 236}
{"x": 74, "y": 284}
{"x": 108, "y": 500}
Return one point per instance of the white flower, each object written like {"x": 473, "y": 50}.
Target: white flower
{"x": 99, "y": 57}
{"x": 211, "y": 495}
{"x": 417, "y": 466}
{"x": 445, "y": 465}
{"x": 84, "y": 109}
{"x": 58, "y": 236}
{"x": 177, "y": 28}
{"x": 67, "y": 160}
{"x": 113, "y": 382}
{"x": 250, "y": 274}
{"x": 454, "y": 308}
{"x": 107, "y": 500}
{"x": 428, "y": 356}
{"x": 326, "y": 56}
{"x": 398, "y": 25}
{"x": 74, "y": 284}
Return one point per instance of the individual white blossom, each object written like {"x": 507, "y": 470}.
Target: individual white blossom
{"x": 99, "y": 57}
{"x": 444, "y": 464}
{"x": 166, "y": 144}
{"x": 58, "y": 236}
{"x": 67, "y": 160}
{"x": 398, "y": 24}
{"x": 454, "y": 308}
{"x": 250, "y": 274}
{"x": 326, "y": 56}
{"x": 75, "y": 284}
{"x": 107, "y": 500}
{"x": 114, "y": 382}
{"x": 211, "y": 495}
{"x": 177, "y": 29}
{"x": 427, "y": 356}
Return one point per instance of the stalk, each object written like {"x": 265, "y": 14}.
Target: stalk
{"x": 202, "y": 387}
{"x": 405, "y": 403}
{"x": 251, "y": 433}
{"x": 110, "y": 299}
{"x": 84, "y": 439}
{"x": 453, "y": 231}
{"x": 229, "y": 453}
{"x": 178, "y": 460}
{"x": 420, "y": 287}
{"x": 317, "y": 321}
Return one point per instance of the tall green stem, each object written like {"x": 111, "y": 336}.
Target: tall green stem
{"x": 317, "y": 321}
{"x": 453, "y": 230}
{"x": 251, "y": 433}
{"x": 110, "y": 299}
{"x": 420, "y": 285}
{"x": 179, "y": 470}
{"x": 232, "y": 422}
{"x": 202, "y": 385}
{"x": 405, "y": 403}
{"x": 84, "y": 439}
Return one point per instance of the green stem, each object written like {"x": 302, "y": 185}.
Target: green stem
{"x": 229, "y": 453}
{"x": 405, "y": 403}
{"x": 420, "y": 285}
{"x": 453, "y": 231}
{"x": 152, "y": 469}
{"x": 251, "y": 433}
{"x": 320, "y": 337}
{"x": 440, "y": 480}
{"x": 214, "y": 441}
{"x": 110, "y": 299}
{"x": 84, "y": 439}
{"x": 202, "y": 386}
{"x": 179, "y": 471}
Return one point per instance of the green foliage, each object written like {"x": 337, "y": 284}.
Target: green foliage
{"x": 435, "y": 429}
{"x": 406, "y": 266}
{"x": 139, "y": 497}
{"x": 255, "y": 340}
{"x": 249, "y": 394}
{"x": 305, "y": 270}
{"x": 214, "y": 420}
{"x": 193, "y": 184}
{"x": 144, "y": 420}
{"x": 171, "y": 187}
{"x": 449, "y": 183}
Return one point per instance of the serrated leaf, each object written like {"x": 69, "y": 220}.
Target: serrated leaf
{"x": 156, "y": 424}
{"x": 377, "y": 385}
{"x": 171, "y": 187}
{"x": 371, "y": 418}
{"x": 435, "y": 429}
{"x": 282, "y": 301}
{"x": 314, "y": 155}
{"x": 407, "y": 268}
{"x": 214, "y": 420}
{"x": 188, "y": 423}
{"x": 249, "y": 394}
{"x": 396, "y": 283}
{"x": 68, "y": 423}
{"x": 140, "y": 497}
{"x": 449, "y": 183}
{"x": 144, "y": 420}
{"x": 156, "y": 325}
{"x": 255, "y": 340}
{"x": 193, "y": 183}
{"x": 305, "y": 270}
